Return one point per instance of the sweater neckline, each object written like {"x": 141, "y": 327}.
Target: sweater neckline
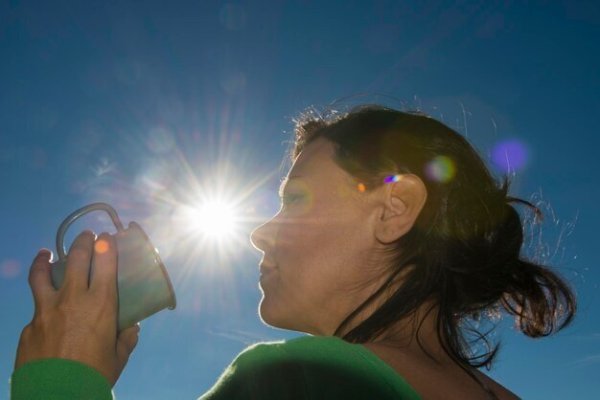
{"x": 391, "y": 375}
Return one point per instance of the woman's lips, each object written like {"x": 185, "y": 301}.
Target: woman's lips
{"x": 266, "y": 271}
{"x": 266, "y": 265}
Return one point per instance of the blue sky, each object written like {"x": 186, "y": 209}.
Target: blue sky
{"x": 150, "y": 105}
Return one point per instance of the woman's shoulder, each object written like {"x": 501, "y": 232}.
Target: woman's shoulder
{"x": 437, "y": 380}
{"x": 310, "y": 349}
{"x": 326, "y": 359}
{"x": 300, "y": 347}
{"x": 323, "y": 365}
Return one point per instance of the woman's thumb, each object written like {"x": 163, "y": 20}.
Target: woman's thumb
{"x": 126, "y": 342}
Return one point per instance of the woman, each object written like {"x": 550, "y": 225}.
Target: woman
{"x": 391, "y": 236}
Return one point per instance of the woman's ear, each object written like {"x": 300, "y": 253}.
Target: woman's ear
{"x": 402, "y": 202}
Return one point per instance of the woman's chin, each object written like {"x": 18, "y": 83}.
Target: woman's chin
{"x": 264, "y": 312}
{"x": 269, "y": 315}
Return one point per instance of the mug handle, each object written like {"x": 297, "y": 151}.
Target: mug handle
{"x": 62, "y": 229}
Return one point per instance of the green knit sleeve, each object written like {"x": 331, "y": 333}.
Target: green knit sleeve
{"x": 58, "y": 379}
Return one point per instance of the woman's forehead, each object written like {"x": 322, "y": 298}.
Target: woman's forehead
{"x": 315, "y": 167}
{"x": 315, "y": 157}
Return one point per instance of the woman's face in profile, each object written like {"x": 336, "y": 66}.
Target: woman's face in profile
{"x": 318, "y": 248}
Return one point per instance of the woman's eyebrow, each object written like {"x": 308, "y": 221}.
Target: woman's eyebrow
{"x": 284, "y": 183}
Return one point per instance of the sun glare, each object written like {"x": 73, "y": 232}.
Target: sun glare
{"x": 214, "y": 219}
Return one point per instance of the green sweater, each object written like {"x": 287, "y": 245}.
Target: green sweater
{"x": 310, "y": 367}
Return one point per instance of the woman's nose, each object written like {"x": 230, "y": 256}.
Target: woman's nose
{"x": 262, "y": 237}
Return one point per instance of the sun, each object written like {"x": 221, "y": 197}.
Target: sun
{"x": 206, "y": 222}
{"x": 212, "y": 219}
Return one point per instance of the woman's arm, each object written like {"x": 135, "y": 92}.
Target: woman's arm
{"x": 78, "y": 322}
{"x": 58, "y": 379}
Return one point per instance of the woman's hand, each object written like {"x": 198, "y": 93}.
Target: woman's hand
{"x": 78, "y": 321}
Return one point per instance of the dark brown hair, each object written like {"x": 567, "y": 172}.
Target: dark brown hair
{"x": 466, "y": 243}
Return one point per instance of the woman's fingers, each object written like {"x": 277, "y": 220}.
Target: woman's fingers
{"x": 78, "y": 262}
{"x": 78, "y": 322}
{"x": 104, "y": 265}
{"x": 39, "y": 278}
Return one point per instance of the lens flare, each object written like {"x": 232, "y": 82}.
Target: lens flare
{"x": 233, "y": 17}
{"x": 440, "y": 169}
{"x": 510, "y": 155}
{"x": 392, "y": 178}
{"x": 10, "y": 269}
{"x": 101, "y": 246}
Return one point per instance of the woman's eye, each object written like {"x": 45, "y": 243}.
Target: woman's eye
{"x": 290, "y": 198}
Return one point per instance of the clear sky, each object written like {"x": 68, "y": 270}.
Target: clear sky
{"x": 155, "y": 105}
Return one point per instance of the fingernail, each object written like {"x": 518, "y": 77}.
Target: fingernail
{"x": 44, "y": 253}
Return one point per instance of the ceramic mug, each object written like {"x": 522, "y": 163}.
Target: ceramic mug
{"x": 143, "y": 284}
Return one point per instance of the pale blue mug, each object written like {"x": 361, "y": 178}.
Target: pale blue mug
{"x": 143, "y": 285}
